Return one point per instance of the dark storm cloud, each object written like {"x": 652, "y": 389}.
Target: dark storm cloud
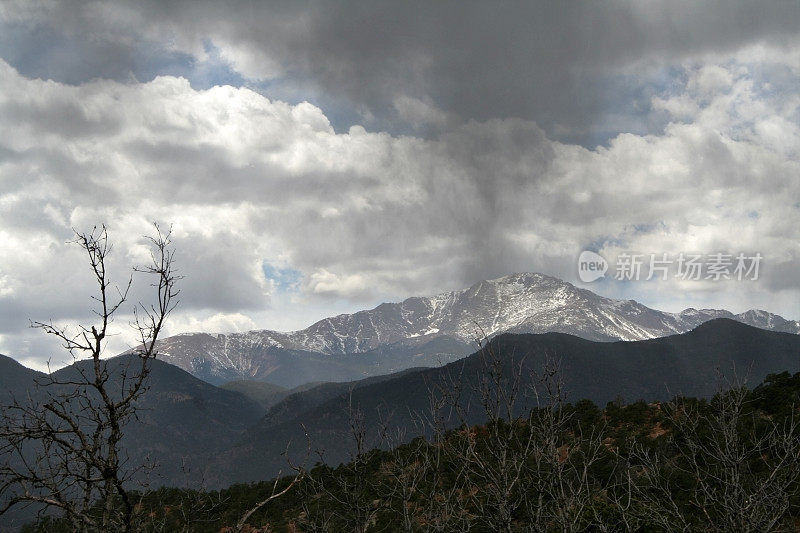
{"x": 552, "y": 62}
{"x": 42, "y": 50}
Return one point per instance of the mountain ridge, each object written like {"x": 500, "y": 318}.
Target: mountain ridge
{"x": 516, "y": 303}
{"x": 694, "y": 363}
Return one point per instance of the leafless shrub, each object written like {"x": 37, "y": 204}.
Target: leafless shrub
{"x": 63, "y": 444}
{"x": 735, "y": 467}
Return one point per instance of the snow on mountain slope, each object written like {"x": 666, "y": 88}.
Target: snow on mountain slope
{"x": 520, "y": 303}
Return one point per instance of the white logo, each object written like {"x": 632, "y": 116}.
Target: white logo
{"x": 591, "y": 266}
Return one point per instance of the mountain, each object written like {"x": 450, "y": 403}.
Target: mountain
{"x": 263, "y": 393}
{"x": 304, "y": 398}
{"x": 432, "y": 331}
{"x": 15, "y": 379}
{"x": 220, "y": 358}
{"x": 181, "y": 419}
{"x": 199, "y": 433}
{"x": 654, "y": 369}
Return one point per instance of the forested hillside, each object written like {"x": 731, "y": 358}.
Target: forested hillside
{"x": 728, "y": 464}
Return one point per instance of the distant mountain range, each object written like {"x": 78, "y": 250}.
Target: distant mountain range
{"x": 433, "y": 331}
{"x": 200, "y": 433}
{"x": 690, "y": 364}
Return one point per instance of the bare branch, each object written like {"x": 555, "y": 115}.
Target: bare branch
{"x": 65, "y": 443}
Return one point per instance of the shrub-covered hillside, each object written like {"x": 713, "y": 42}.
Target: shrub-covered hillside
{"x": 731, "y": 463}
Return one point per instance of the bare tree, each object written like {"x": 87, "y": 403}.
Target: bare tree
{"x": 400, "y": 478}
{"x": 562, "y": 488}
{"x": 527, "y": 466}
{"x": 496, "y": 454}
{"x": 724, "y": 462}
{"x": 278, "y": 489}
{"x": 530, "y": 458}
{"x": 343, "y": 499}
{"x": 441, "y": 496}
{"x": 64, "y": 444}
{"x": 273, "y": 495}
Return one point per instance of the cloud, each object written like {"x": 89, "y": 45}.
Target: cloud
{"x": 368, "y": 216}
{"x": 327, "y": 283}
{"x": 419, "y": 113}
{"x": 217, "y": 323}
{"x": 549, "y": 62}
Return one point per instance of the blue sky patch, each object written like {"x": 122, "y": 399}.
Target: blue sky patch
{"x": 285, "y": 279}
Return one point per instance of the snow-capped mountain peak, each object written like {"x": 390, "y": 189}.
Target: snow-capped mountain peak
{"x": 520, "y": 303}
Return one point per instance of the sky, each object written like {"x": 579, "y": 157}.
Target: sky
{"x": 315, "y": 158}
